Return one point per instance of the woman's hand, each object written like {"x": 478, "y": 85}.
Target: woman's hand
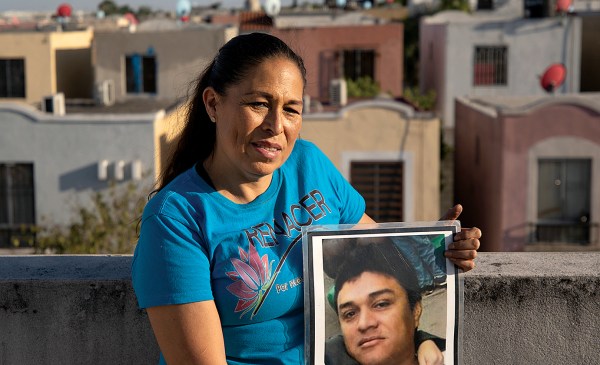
{"x": 429, "y": 354}
{"x": 463, "y": 251}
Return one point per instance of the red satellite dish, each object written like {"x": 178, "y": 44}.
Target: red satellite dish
{"x": 131, "y": 18}
{"x": 64, "y": 10}
{"x": 562, "y": 6}
{"x": 553, "y": 77}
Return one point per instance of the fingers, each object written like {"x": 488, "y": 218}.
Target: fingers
{"x": 463, "y": 251}
{"x": 465, "y": 265}
{"x": 467, "y": 234}
{"x": 461, "y": 254}
{"x": 452, "y": 213}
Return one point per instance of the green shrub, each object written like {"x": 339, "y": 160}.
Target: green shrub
{"x": 106, "y": 226}
{"x": 362, "y": 87}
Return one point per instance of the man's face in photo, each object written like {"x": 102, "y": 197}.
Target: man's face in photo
{"x": 377, "y": 323}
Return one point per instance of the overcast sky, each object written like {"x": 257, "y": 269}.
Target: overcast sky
{"x": 89, "y": 5}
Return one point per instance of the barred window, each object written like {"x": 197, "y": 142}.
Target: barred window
{"x": 490, "y": 66}
{"x": 359, "y": 63}
{"x": 12, "y": 78}
{"x": 380, "y": 183}
{"x": 17, "y": 212}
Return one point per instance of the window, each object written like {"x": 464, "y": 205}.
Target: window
{"x": 485, "y": 4}
{"x": 564, "y": 196}
{"x": 380, "y": 183}
{"x": 12, "y": 78}
{"x": 359, "y": 63}
{"x": 490, "y": 66}
{"x": 17, "y": 214}
{"x": 140, "y": 73}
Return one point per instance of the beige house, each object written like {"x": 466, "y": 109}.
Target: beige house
{"x": 36, "y": 64}
{"x": 388, "y": 152}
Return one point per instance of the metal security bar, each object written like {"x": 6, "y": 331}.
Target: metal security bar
{"x": 490, "y": 66}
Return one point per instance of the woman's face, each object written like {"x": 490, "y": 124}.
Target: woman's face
{"x": 258, "y": 120}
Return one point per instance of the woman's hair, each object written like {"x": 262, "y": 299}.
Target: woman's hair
{"x": 380, "y": 258}
{"x": 233, "y": 62}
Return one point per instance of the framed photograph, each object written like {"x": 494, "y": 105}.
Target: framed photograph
{"x": 375, "y": 293}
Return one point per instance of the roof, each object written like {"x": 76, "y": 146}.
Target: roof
{"x": 519, "y": 105}
{"x": 457, "y": 16}
{"x": 326, "y": 18}
{"x": 131, "y": 106}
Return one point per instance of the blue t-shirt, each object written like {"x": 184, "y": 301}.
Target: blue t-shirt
{"x": 197, "y": 245}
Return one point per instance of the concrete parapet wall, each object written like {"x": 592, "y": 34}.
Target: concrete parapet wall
{"x": 519, "y": 308}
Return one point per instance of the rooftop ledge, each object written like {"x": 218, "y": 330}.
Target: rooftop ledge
{"x": 519, "y": 308}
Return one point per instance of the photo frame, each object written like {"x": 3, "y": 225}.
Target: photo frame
{"x": 413, "y": 255}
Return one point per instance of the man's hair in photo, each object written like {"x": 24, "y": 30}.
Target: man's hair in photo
{"x": 380, "y": 258}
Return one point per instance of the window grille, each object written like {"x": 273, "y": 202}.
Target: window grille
{"x": 12, "y": 78}
{"x": 380, "y": 183}
{"x": 17, "y": 208}
{"x": 490, "y": 66}
{"x": 359, "y": 63}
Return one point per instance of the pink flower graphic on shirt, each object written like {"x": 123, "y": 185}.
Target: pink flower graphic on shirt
{"x": 251, "y": 279}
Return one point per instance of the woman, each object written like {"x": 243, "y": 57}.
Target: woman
{"x": 218, "y": 265}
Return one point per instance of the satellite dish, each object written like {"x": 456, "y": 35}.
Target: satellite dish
{"x": 272, "y": 7}
{"x": 183, "y": 8}
{"x": 130, "y": 17}
{"x": 563, "y": 6}
{"x": 553, "y": 77}
{"x": 64, "y": 10}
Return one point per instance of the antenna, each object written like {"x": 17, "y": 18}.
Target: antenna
{"x": 553, "y": 77}
{"x": 272, "y": 7}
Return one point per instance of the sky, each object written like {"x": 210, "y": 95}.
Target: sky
{"x": 89, "y": 5}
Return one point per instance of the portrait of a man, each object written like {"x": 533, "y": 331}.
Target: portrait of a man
{"x": 381, "y": 295}
{"x": 377, "y": 299}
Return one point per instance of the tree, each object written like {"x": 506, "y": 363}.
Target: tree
{"x": 124, "y": 9}
{"x": 109, "y": 7}
{"x": 106, "y": 226}
{"x": 144, "y": 12}
{"x": 462, "y": 5}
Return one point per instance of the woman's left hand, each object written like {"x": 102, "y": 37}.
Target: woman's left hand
{"x": 463, "y": 251}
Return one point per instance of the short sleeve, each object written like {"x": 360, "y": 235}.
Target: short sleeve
{"x": 352, "y": 204}
{"x": 170, "y": 265}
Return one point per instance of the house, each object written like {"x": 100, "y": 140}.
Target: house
{"x": 348, "y": 52}
{"x": 493, "y": 53}
{"x": 51, "y": 163}
{"x": 35, "y": 64}
{"x": 155, "y": 64}
{"x": 527, "y": 170}
{"x": 388, "y": 151}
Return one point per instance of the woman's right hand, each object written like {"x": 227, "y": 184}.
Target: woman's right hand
{"x": 189, "y": 333}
